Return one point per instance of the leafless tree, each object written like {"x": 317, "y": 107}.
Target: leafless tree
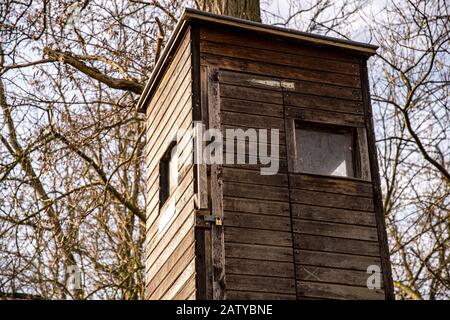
{"x": 411, "y": 99}
{"x": 72, "y": 144}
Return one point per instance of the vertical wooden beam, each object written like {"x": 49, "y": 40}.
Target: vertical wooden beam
{"x": 293, "y": 166}
{"x": 291, "y": 147}
{"x": 201, "y": 175}
{"x": 197, "y": 115}
{"x": 201, "y": 278}
{"x": 363, "y": 151}
{"x": 376, "y": 184}
{"x": 202, "y": 234}
{"x": 195, "y": 71}
{"x": 217, "y": 232}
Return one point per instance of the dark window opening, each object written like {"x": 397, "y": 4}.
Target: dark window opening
{"x": 168, "y": 173}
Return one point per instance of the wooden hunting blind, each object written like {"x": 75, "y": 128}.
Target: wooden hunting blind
{"x": 315, "y": 229}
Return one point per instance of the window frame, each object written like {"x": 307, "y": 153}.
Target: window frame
{"x": 332, "y": 129}
{"x": 360, "y": 154}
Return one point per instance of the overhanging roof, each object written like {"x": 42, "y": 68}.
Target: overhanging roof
{"x": 192, "y": 15}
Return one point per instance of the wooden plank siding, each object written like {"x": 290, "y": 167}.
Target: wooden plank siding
{"x": 257, "y": 220}
{"x": 170, "y": 253}
{"x": 292, "y": 235}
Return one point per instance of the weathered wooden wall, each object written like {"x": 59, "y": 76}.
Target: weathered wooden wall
{"x": 294, "y": 235}
{"x": 170, "y": 253}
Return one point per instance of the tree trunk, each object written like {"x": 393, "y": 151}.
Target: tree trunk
{"x": 244, "y": 9}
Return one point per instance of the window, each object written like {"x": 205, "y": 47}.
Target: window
{"x": 325, "y": 149}
{"x": 168, "y": 173}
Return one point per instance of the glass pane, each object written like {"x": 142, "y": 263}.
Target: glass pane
{"x": 325, "y": 152}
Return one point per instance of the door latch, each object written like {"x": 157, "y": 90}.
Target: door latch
{"x": 213, "y": 219}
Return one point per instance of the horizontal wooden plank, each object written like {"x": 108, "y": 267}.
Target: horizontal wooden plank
{"x": 251, "y": 121}
{"x": 181, "y": 281}
{"x": 335, "y": 291}
{"x": 160, "y": 146}
{"x": 322, "y": 90}
{"x": 257, "y": 221}
{"x": 183, "y": 192}
{"x": 260, "y": 152}
{"x": 161, "y": 253}
{"x": 250, "y": 94}
{"x": 236, "y": 50}
{"x": 160, "y": 138}
{"x": 252, "y": 295}
{"x": 184, "y": 200}
{"x": 252, "y": 176}
{"x": 259, "y": 268}
{"x": 171, "y": 92}
{"x": 258, "y": 252}
{"x": 260, "y": 284}
{"x": 337, "y": 230}
{"x": 185, "y": 163}
{"x": 279, "y": 44}
{"x": 326, "y": 117}
{"x": 274, "y": 70}
{"x": 257, "y": 236}
{"x": 254, "y": 107}
{"x": 279, "y": 166}
{"x": 333, "y": 215}
{"x": 248, "y": 190}
{"x": 182, "y": 55}
{"x": 249, "y": 80}
{"x": 180, "y": 129}
{"x": 332, "y": 200}
{"x": 256, "y": 206}
{"x": 332, "y": 275}
{"x": 335, "y": 245}
{"x": 192, "y": 296}
{"x": 188, "y": 291}
{"x": 323, "y": 103}
{"x": 335, "y": 260}
{"x": 171, "y": 275}
{"x": 281, "y": 134}
{"x": 185, "y": 245}
{"x": 330, "y": 184}
{"x": 184, "y": 204}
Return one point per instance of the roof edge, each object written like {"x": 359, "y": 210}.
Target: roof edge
{"x": 190, "y": 14}
{"x": 194, "y": 14}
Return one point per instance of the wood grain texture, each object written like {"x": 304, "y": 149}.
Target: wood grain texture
{"x": 247, "y": 39}
{"x": 217, "y": 231}
{"x": 318, "y": 213}
{"x": 260, "y": 284}
{"x": 279, "y": 58}
{"x": 332, "y": 276}
{"x": 336, "y": 291}
{"x": 335, "y": 260}
{"x": 279, "y": 229}
{"x": 322, "y": 243}
{"x": 170, "y": 251}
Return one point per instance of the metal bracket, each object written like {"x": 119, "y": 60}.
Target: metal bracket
{"x": 213, "y": 219}
{"x": 205, "y": 219}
